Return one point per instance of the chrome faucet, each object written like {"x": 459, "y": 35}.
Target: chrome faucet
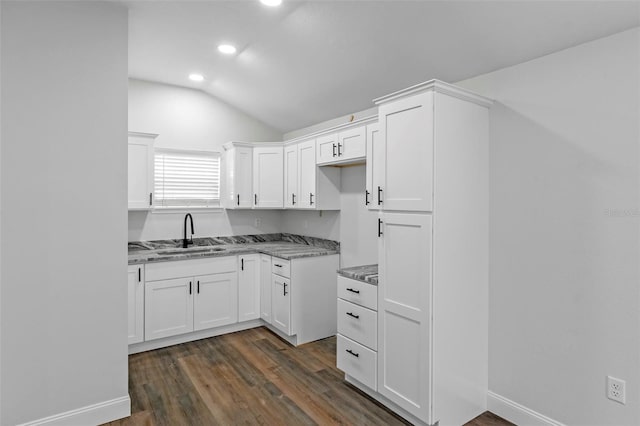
{"x": 185, "y": 242}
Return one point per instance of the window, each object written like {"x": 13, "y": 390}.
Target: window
{"x": 187, "y": 178}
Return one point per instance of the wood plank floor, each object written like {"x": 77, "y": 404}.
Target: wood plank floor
{"x": 252, "y": 378}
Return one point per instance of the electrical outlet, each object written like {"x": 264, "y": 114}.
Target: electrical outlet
{"x": 616, "y": 389}
{"x": 257, "y": 222}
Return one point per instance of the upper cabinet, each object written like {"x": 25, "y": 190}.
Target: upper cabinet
{"x": 268, "y": 177}
{"x": 346, "y": 146}
{"x": 291, "y": 196}
{"x": 406, "y": 162}
{"x": 253, "y": 176}
{"x": 140, "y": 170}
{"x": 372, "y": 196}
{"x": 238, "y": 172}
{"x": 308, "y": 186}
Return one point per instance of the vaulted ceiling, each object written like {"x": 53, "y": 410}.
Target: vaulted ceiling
{"x": 308, "y": 61}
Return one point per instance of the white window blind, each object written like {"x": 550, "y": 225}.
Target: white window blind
{"x": 187, "y": 179}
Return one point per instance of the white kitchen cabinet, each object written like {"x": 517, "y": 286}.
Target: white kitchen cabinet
{"x": 356, "y": 349}
{"x": 140, "y": 170}
{"x": 268, "y": 177}
{"x": 168, "y": 308}
{"x": 216, "y": 300}
{"x": 281, "y": 304}
{"x": 249, "y": 288}
{"x": 190, "y": 295}
{"x": 352, "y": 144}
{"x": 303, "y": 298}
{"x": 404, "y": 304}
{"x": 326, "y": 148}
{"x": 291, "y": 195}
{"x": 308, "y": 186}
{"x": 374, "y": 167}
{"x": 406, "y": 175}
{"x": 433, "y": 253}
{"x": 265, "y": 287}
{"x": 344, "y": 147}
{"x": 135, "y": 288}
{"x": 237, "y": 190}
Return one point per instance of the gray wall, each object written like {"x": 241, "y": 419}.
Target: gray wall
{"x": 63, "y": 187}
{"x": 564, "y": 274}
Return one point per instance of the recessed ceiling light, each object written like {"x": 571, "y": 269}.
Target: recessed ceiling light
{"x": 271, "y": 3}
{"x": 227, "y": 49}
{"x": 196, "y": 77}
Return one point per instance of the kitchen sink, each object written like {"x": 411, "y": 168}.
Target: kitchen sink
{"x": 191, "y": 250}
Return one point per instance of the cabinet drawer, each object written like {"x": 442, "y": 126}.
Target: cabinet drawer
{"x": 190, "y": 268}
{"x": 358, "y": 292}
{"x": 358, "y": 323}
{"x": 357, "y": 361}
{"x": 281, "y": 267}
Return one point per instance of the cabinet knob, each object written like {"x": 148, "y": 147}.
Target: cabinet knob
{"x": 339, "y": 146}
{"x": 379, "y": 195}
{"x": 334, "y": 149}
{"x": 351, "y": 314}
{"x": 284, "y": 286}
{"x": 379, "y": 227}
{"x": 366, "y": 198}
{"x": 353, "y": 353}
{"x": 353, "y": 291}
{"x": 310, "y": 199}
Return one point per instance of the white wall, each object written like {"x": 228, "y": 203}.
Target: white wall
{"x": 191, "y": 119}
{"x": 63, "y": 170}
{"x": 358, "y": 225}
{"x": 564, "y": 291}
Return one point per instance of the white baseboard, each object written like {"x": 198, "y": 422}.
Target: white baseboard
{"x": 516, "y": 413}
{"x": 95, "y": 414}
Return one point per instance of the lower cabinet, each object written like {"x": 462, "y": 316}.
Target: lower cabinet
{"x": 168, "y": 308}
{"x": 249, "y": 273}
{"x": 177, "y": 304}
{"x": 215, "y": 301}
{"x": 357, "y": 340}
{"x": 265, "y": 287}
{"x": 281, "y": 304}
{"x": 135, "y": 289}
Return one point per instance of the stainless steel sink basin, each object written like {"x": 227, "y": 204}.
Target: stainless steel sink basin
{"x": 191, "y": 250}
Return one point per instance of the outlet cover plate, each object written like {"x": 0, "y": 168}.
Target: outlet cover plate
{"x": 616, "y": 389}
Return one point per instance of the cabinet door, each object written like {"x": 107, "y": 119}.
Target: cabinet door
{"x": 352, "y": 143}
{"x": 249, "y": 287}
{"x": 135, "y": 288}
{"x": 291, "y": 176}
{"x": 281, "y": 304}
{"x": 307, "y": 174}
{"x": 168, "y": 308}
{"x": 327, "y": 148}
{"x": 265, "y": 287}
{"x": 406, "y": 127}
{"x": 374, "y": 167}
{"x": 216, "y": 300}
{"x": 140, "y": 171}
{"x": 404, "y": 291}
{"x": 239, "y": 178}
{"x": 268, "y": 177}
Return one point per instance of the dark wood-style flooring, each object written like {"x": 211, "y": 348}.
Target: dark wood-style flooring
{"x": 253, "y": 378}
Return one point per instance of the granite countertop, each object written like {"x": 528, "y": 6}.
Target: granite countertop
{"x": 366, "y": 273}
{"x": 284, "y": 246}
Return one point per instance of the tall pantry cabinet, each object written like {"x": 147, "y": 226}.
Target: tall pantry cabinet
{"x": 433, "y": 253}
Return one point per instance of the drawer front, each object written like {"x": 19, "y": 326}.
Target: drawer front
{"x": 358, "y": 323}
{"x": 358, "y": 292}
{"x": 190, "y": 268}
{"x": 357, "y": 361}
{"x": 281, "y": 267}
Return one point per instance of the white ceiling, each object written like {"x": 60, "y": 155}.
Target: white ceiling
{"x": 309, "y": 61}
